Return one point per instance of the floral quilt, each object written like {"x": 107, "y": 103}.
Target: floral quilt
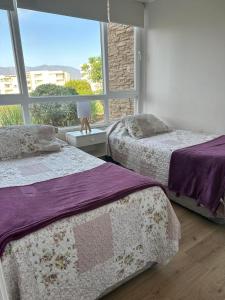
{"x": 83, "y": 256}
{"x": 24, "y": 140}
{"x": 150, "y": 156}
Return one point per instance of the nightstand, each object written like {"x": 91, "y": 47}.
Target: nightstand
{"x": 93, "y": 142}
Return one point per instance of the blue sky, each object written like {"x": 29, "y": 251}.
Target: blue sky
{"x": 51, "y": 39}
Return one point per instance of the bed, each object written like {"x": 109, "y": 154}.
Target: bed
{"x": 151, "y": 156}
{"x": 57, "y": 262}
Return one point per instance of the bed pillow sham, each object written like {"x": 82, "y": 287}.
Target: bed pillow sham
{"x": 25, "y": 140}
{"x": 144, "y": 125}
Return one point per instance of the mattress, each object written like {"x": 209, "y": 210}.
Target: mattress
{"x": 151, "y": 156}
{"x": 84, "y": 256}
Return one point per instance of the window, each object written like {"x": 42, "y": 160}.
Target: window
{"x": 56, "y": 114}
{"x": 59, "y": 49}
{"x": 64, "y": 114}
{"x": 8, "y": 77}
{"x": 62, "y": 60}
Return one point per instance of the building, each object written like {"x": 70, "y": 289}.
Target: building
{"x": 9, "y": 83}
{"x": 36, "y": 78}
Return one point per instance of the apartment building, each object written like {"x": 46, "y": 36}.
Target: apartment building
{"x": 36, "y": 78}
{"x": 9, "y": 83}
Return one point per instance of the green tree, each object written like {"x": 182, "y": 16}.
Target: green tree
{"x": 97, "y": 111}
{"x": 92, "y": 70}
{"x": 57, "y": 114}
{"x": 53, "y": 90}
{"x": 82, "y": 87}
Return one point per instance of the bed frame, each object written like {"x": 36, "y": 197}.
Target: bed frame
{"x": 190, "y": 204}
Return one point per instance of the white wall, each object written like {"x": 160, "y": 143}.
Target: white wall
{"x": 185, "y": 63}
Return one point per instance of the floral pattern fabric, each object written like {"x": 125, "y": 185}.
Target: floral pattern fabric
{"x": 83, "y": 256}
{"x": 144, "y": 125}
{"x": 24, "y": 140}
{"x": 151, "y": 156}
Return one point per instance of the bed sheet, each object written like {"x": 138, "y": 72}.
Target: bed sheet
{"x": 151, "y": 156}
{"x": 83, "y": 256}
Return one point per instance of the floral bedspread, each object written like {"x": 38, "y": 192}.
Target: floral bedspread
{"x": 83, "y": 256}
{"x": 150, "y": 156}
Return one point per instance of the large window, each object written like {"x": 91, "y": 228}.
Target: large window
{"x": 61, "y": 50}
{"x": 62, "y": 60}
{"x": 64, "y": 114}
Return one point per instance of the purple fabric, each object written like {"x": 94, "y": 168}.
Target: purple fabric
{"x": 24, "y": 209}
{"x": 199, "y": 172}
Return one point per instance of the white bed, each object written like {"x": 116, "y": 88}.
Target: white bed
{"x": 151, "y": 156}
{"x": 57, "y": 261}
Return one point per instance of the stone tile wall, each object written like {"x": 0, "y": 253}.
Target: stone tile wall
{"x": 121, "y": 67}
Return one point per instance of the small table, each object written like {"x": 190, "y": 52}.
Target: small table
{"x": 93, "y": 142}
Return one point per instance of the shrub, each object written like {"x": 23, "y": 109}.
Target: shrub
{"x": 10, "y": 115}
{"x": 56, "y": 114}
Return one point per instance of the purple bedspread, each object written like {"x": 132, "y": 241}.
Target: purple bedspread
{"x": 24, "y": 209}
{"x": 199, "y": 172}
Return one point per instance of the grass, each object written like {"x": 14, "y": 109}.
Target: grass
{"x": 10, "y": 115}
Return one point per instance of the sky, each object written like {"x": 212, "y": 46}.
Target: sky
{"x": 51, "y": 39}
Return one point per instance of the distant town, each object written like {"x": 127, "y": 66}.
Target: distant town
{"x": 37, "y": 76}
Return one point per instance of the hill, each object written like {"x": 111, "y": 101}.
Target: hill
{"x": 74, "y": 73}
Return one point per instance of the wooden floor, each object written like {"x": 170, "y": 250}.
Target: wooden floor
{"x": 196, "y": 273}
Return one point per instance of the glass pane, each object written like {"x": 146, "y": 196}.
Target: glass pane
{"x": 11, "y": 115}
{"x": 119, "y": 108}
{"x": 8, "y": 78}
{"x": 97, "y": 112}
{"x": 121, "y": 57}
{"x": 56, "y": 114}
{"x": 64, "y": 114}
{"x": 62, "y": 51}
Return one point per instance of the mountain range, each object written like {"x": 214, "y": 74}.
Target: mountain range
{"x": 74, "y": 73}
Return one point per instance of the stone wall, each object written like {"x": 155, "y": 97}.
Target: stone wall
{"x": 121, "y": 67}
{"x": 120, "y": 108}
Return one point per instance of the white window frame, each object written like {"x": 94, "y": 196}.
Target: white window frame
{"x": 24, "y": 99}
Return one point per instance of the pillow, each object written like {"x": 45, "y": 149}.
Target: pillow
{"x": 144, "y": 125}
{"x": 20, "y": 141}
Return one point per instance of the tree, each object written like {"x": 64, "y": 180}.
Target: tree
{"x": 82, "y": 87}
{"x": 56, "y": 114}
{"x": 53, "y": 90}
{"x": 93, "y": 69}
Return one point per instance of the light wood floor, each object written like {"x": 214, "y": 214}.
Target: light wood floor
{"x": 196, "y": 273}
